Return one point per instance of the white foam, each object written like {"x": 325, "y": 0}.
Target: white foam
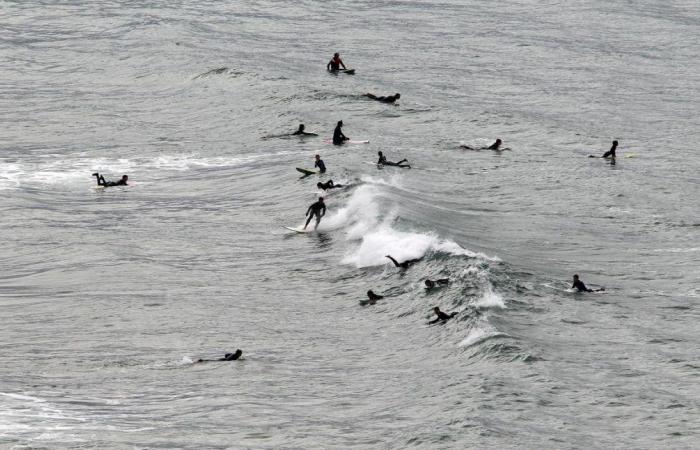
{"x": 477, "y": 335}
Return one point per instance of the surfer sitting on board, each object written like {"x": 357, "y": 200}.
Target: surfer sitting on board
{"x": 227, "y": 357}
{"x": 383, "y": 161}
{"x": 578, "y": 284}
{"x": 441, "y": 316}
{"x": 495, "y": 146}
{"x": 405, "y": 264}
{"x": 101, "y": 181}
{"x": 320, "y": 164}
{"x": 338, "y": 137}
{"x": 301, "y": 132}
{"x": 610, "y": 153}
{"x": 335, "y": 63}
{"x": 431, "y": 284}
{"x": 318, "y": 209}
{"x": 328, "y": 185}
{"x": 387, "y": 99}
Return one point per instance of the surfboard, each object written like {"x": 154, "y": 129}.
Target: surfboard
{"x": 300, "y": 230}
{"x": 306, "y": 171}
{"x": 345, "y": 71}
{"x": 330, "y": 141}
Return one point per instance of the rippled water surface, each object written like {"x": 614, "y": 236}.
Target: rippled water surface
{"x": 107, "y": 296}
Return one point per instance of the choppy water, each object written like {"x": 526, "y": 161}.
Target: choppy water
{"x": 108, "y": 296}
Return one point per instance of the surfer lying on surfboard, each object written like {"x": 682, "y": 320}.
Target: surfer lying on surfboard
{"x": 318, "y": 210}
{"x": 383, "y": 161}
{"x": 301, "y": 132}
{"x": 101, "y": 181}
{"x": 328, "y": 185}
{"x": 429, "y": 284}
{"x": 578, "y": 284}
{"x": 441, "y": 316}
{"x": 227, "y": 357}
{"x": 495, "y": 146}
{"x": 405, "y": 264}
{"x": 373, "y": 297}
{"x": 383, "y": 99}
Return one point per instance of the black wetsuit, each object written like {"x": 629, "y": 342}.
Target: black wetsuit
{"x": 405, "y": 264}
{"x": 383, "y": 161}
{"x": 303, "y": 133}
{"x": 494, "y": 146}
{"x": 101, "y": 182}
{"x": 318, "y": 210}
{"x": 338, "y": 136}
{"x": 610, "y": 153}
{"x": 432, "y": 283}
{"x": 383, "y": 99}
{"x": 329, "y": 185}
{"x": 578, "y": 284}
{"x": 441, "y": 316}
{"x": 321, "y": 165}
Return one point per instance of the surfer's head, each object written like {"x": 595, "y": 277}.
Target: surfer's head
{"x": 397, "y": 96}
{"x": 317, "y": 157}
{"x": 615, "y": 143}
{"x": 125, "y": 177}
{"x": 379, "y": 153}
{"x": 340, "y": 123}
{"x": 436, "y": 310}
{"x": 320, "y": 199}
{"x": 575, "y": 277}
{"x": 429, "y": 283}
{"x": 336, "y": 55}
{"x": 301, "y": 127}
{"x": 498, "y": 141}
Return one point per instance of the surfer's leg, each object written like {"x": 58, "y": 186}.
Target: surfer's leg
{"x": 318, "y": 220}
{"x": 307, "y": 221}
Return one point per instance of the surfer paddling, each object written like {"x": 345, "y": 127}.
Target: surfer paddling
{"x": 372, "y": 297}
{"x": 578, "y": 284}
{"x": 383, "y": 162}
{"x": 227, "y": 357}
{"x": 301, "y": 132}
{"x": 338, "y": 137}
{"x": 328, "y": 185}
{"x": 441, "y": 316}
{"x": 495, "y": 146}
{"x": 430, "y": 284}
{"x": 404, "y": 265}
{"x": 101, "y": 181}
{"x": 317, "y": 210}
{"x": 384, "y": 99}
{"x": 335, "y": 63}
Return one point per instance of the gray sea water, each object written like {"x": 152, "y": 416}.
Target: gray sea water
{"x": 108, "y": 296}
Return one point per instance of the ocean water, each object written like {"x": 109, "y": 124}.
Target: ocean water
{"x": 108, "y": 296}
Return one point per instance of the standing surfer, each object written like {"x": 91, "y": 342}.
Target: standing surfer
{"x": 318, "y": 210}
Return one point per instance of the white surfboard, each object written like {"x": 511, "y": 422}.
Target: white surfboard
{"x": 300, "y": 230}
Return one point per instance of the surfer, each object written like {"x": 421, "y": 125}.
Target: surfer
{"x": 383, "y": 99}
{"x": 335, "y": 63}
{"x": 495, "y": 146}
{"x": 318, "y": 210}
{"x": 431, "y": 284}
{"x": 328, "y": 185}
{"x": 441, "y": 316}
{"x": 578, "y": 284}
{"x": 101, "y": 181}
{"x": 610, "y": 153}
{"x": 373, "y": 297}
{"x": 404, "y": 265}
{"x": 338, "y": 137}
{"x": 301, "y": 132}
{"x": 320, "y": 164}
{"x": 383, "y": 161}
{"x": 227, "y": 357}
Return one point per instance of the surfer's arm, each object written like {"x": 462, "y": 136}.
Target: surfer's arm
{"x": 328, "y": 66}
{"x": 308, "y": 211}
{"x": 396, "y": 263}
{"x": 323, "y": 212}
{"x": 342, "y": 64}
